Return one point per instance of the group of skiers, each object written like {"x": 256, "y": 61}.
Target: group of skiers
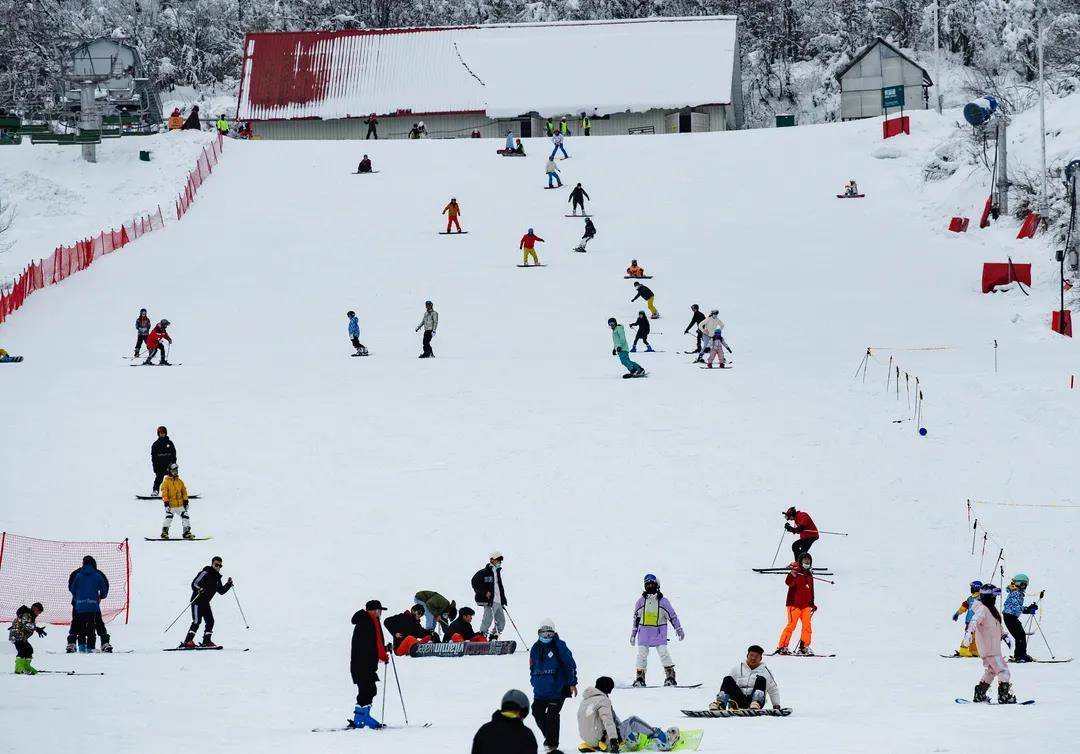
{"x": 709, "y": 336}
{"x": 153, "y": 336}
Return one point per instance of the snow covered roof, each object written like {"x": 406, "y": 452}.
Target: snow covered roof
{"x": 595, "y": 66}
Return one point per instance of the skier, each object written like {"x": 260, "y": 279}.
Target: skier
{"x": 222, "y": 125}
{"x": 552, "y": 171}
{"x": 528, "y": 245}
{"x": 7, "y": 358}
{"x": 618, "y": 339}
{"x": 803, "y": 525}
{"x": 553, "y": 674}
{"x": 142, "y": 329}
{"x": 590, "y": 233}
{"x": 549, "y": 127}
{"x": 1013, "y": 609}
{"x": 557, "y": 140}
{"x": 430, "y": 323}
{"x": 405, "y": 629}
{"x": 564, "y": 128}
{"x": 22, "y": 628}
{"x": 452, "y": 212}
{"x": 204, "y": 586}
{"x": 372, "y": 124}
{"x": 506, "y": 733}
{"x": 437, "y": 609}
{"x": 368, "y": 650}
{"x": 88, "y": 587}
{"x": 706, "y": 328}
{"x": 489, "y": 594}
{"x": 634, "y": 270}
{"x": 461, "y": 629}
{"x": 642, "y": 334}
{"x": 652, "y": 613}
{"x": 154, "y": 342}
{"x": 645, "y": 294}
{"x": 365, "y": 165}
{"x": 985, "y": 628}
{"x": 747, "y": 683}
{"x": 716, "y": 349}
{"x": 162, "y": 456}
{"x": 578, "y": 196}
{"x": 967, "y": 608}
{"x": 602, "y": 730}
{"x": 695, "y": 319}
{"x": 586, "y": 125}
{"x": 174, "y": 495}
{"x": 354, "y": 334}
{"x": 800, "y": 606}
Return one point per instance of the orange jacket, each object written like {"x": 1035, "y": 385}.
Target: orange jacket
{"x": 452, "y": 208}
{"x": 634, "y": 271}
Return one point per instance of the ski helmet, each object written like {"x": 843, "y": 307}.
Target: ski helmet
{"x": 1021, "y": 578}
{"x": 790, "y": 512}
{"x": 530, "y": 230}
{"x": 427, "y": 303}
{"x": 976, "y": 585}
{"x": 651, "y": 577}
{"x": 989, "y": 589}
{"x": 165, "y": 323}
{"x": 142, "y": 311}
{"x": 611, "y": 322}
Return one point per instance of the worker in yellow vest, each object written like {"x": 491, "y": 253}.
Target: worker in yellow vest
{"x": 586, "y": 124}
{"x": 222, "y": 125}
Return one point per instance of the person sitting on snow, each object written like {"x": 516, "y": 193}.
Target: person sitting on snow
{"x": 364, "y": 166}
{"x": 634, "y": 271}
{"x": 851, "y": 189}
{"x": 518, "y": 148}
{"x": 406, "y": 630}
{"x": 602, "y": 730}
{"x": 461, "y": 629}
{"x": 747, "y": 684}
{"x": 6, "y": 357}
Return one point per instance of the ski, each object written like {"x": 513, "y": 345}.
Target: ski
{"x": 763, "y": 712}
{"x": 639, "y": 375}
{"x": 995, "y": 704}
{"x": 197, "y": 648}
{"x": 455, "y": 233}
{"x": 532, "y": 265}
{"x": 655, "y": 350}
{"x": 659, "y": 686}
{"x": 796, "y": 654}
{"x": 638, "y": 277}
{"x": 815, "y": 569}
{"x": 350, "y": 726}
{"x": 64, "y": 672}
{"x": 581, "y": 216}
{"x": 176, "y": 539}
{"x": 158, "y": 497}
{"x": 726, "y": 366}
{"x": 1045, "y": 662}
{"x": 166, "y": 364}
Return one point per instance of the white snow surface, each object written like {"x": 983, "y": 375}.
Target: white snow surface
{"x": 329, "y": 480}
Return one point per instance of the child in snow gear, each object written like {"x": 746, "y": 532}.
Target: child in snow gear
{"x": 506, "y": 733}
{"x": 801, "y": 524}
{"x": 800, "y": 606}
{"x": 553, "y": 674}
{"x": 519, "y": 147}
{"x": 509, "y": 140}
{"x": 586, "y": 124}
{"x": 405, "y": 629}
{"x": 747, "y": 684}
{"x": 154, "y": 342}
{"x": 488, "y": 592}
{"x": 437, "y": 609}
{"x": 552, "y": 171}
{"x": 602, "y": 730}
{"x": 162, "y": 456}
{"x": 652, "y": 613}
{"x": 142, "y": 329}
{"x": 372, "y": 124}
{"x": 528, "y": 245}
{"x": 578, "y": 196}
{"x": 634, "y": 270}
{"x": 368, "y": 650}
{"x": 716, "y": 349}
{"x": 204, "y": 586}
{"x": 24, "y": 626}
{"x": 642, "y": 334}
{"x": 695, "y": 318}
{"x": 88, "y": 587}
{"x": 1012, "y": 610}
{"x": 364, "y": 166}
{"x": 430, "y": 323}
{"x": 175, "y": 121}
{"x": 985, "y": 628}
{"x": 557, "y": 140}
{"x": 967, "y": 609}
{"x": 590, "y": 233}
{"x": 706, "y": 329}
{"x": 354, "y": 334}
{"x": 618, "y": 339}
{"x": 645, "y": 293}
{"x": 461, "y": 629}
{"x": 452, "y": 212}
{"x": 174, "y": 495}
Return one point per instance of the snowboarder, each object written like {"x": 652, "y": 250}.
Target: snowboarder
{"x": 618, "y": 339}
{"x": 634, "y": 270}
{"x": 88, "y": 587}
{"x": 452, "y": 212}
{"x": 7, "y": 358}
{"x": 519, "y": 148}
{"x": 985, "y": 628}
{"x": 967, "y": 609}
{"x": 421, "y": 130}
{"x": 368, "y": 650}
{"x": 204, "y": 586}
{"x": 602, "y": 730}
{"x": 506, "y": 733}
{"x": 652, "y": 613}
{"x": 1013, "y": 609}
{"x": 851, "y": 188}
{"x": 155, "y": 343}
{"x": 747, "y": 683}
{"x": 489, "y": 594}
{"x": 801, "y": 524}
{"x": 437, "y": 609}
{"x": 800, "y": 606}
{"x": 552, "y": 171}
{"x": 372, "y": 124}
{"x": 222, "y": 125}
{"x": 162, "y": 456}
{"x": 645, "y": 293}
{"x": 590, "y": 233}
{"x": 354, "y": 334}
{"x": 528, "y": 245}
{"x": 365, "y": 165}
{"x": 405, "y": 630}
{"x": 142, "y": 329}
{"x": 716, "y": 349}
{"x": 706, "y": 329}
{"x": 461, "y": 629}
{"x": 586, "y": 125}
{"x": 24, "y": 626}
{"x": 553, "y": 674}
{"x": 174, "y": 495}
{"x": 430, "y": 323}
{"x": 192, "y": 123}
{"x": 695, "y": 319}
{"x": 578, "y": 195}
{"x": 642, "y": 334}
{"x": 557, "y": 140}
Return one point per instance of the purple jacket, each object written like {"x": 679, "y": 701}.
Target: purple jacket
{"x": 650, "y": 626}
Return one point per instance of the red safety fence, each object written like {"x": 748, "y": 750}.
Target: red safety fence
{"x": 37, "y": 570}
{"x": 204, "y": 166}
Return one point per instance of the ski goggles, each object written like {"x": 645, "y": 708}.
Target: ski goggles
{"x": 546, "y": 633}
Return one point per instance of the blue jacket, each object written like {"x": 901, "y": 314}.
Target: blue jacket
{"x": 552, "y": 669}
{"x": 88, "y": 587}
{"x": 510, "y": 141}
{"x": 1014, "y": 602}
{"x": 354, "y": 327}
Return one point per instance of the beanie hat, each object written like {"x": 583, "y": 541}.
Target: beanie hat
{"x": 546, "y": 625}
{"x": 605, "y": 684}
{"x": 515, "y": 700}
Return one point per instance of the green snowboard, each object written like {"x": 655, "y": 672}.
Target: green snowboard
{"x": 689, "y": 740}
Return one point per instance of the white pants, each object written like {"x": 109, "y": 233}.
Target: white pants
{"x": 184, "y": 518}
{"x": 643, "y": 656}
{"x": 494, "y": 612}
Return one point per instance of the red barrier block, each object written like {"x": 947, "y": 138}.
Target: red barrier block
{"x": 895, "y": 127}
{"x": 1003, "y": 273}
{"x": 984, "y": 219}
{"x": 1055, "y": 322}
{"x": 959, "y": 224}
{"x": 1031, "y": 224}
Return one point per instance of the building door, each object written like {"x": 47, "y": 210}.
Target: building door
{"x": 526, "y": 128}
{"x": 685, "y": 122}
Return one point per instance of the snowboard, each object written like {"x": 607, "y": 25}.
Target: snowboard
{"x": 360, "y": 354}
{"x": 167, "y": 364}
{"x": 548, "y": 188}
{"x": 370, "y": 172}
{"x": 462, "y": 649}
{"x": 995, "y": 704}
{"x": 64, "y": 672}
{"x": 350, "y": 726}
{"x": 176, "y": 539}
{"x": 850, "y": 196}
{"x": 158, "y": 497}
{"x": 578, "y": 249}
{"x": 639, "y": 375}
{"x": 639, "y": 277}
{"x": 583, "y": 216}
{"x": 659, "y": 686}
{"x": 532, "y": 265}
{"x": 453, "y": 233}
{"x": 792, "y": 654}
{"x": 14, "y": 360}
{"x": 689, "y": 740}
{"x": 763, "y": 712}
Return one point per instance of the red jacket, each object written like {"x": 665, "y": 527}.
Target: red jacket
{"x": 800, "y": 588}
{"x": 804, "y": 526}
{"x": 528, "y": 241}
{"x": 156, "y": 335}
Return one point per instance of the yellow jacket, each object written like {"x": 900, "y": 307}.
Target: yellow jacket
{"x": 173, "y": 492}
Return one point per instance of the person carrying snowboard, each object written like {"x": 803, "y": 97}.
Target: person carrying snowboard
{"x": 405, "y": 630}
{"x": 88, "y": 587}
{"x": 506, "y": 733}
{"x": 695, "y": 319}
{"x": 162, "y": 456}
{"x": 800, "y": 606}
{"x": 368, "y": 650}
{"x": 452, "y": 212}
{"x": 652, "y": 613}
{"x": 174, "y": 495}
{"x": 645, "y": 293}
{"x": 643, "y": 327}
{"x": 590, "y": 233}
{"x": 634, "y": 270}
{"x": 204, "y": 586}
{"x": 354, "y": 333}
{"x": 488, "y": 592}
{"x": 142, "y": 330}
{"x": 578, "y": 195}
{"x": 747, "y": 684}
{"x": 602, "y": 730}
{"x": 552, "y": 171}
{"x": 22, "y": 628}
{"x": 706, "y": 329}
{"x": 801, "y": 524}
{"x": 372, "y": 124}
{"x": 967, "y": 609}
{"x": 620, "y": 349}
{"x": 557, "y": 140}
{"x": 155, "y": 342}
{"x": 365, "y": 165}
{"x": 553, "y": 674}
{"x": 1013, "y": 609}
{"x": 528, "y": 247}
{"x": 985, "y": 628}
{"x": 430, "y": 323}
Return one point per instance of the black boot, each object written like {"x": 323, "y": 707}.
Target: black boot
{"x": 1005, "y": 695}
{"x": 980, "y": 692}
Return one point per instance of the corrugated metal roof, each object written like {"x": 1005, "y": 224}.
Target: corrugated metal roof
{"x": 597, "y": 66}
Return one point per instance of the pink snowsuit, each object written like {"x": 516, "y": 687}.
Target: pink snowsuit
{"x": 987, "y": 631}
{"x": 716, "y": 348}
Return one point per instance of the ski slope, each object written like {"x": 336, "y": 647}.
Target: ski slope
{"x": 328, "y": 481}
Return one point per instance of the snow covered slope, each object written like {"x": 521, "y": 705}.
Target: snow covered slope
{"x": 328, "y": 480}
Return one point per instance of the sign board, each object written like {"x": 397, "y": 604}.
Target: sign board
{"x": 892, "y": 96}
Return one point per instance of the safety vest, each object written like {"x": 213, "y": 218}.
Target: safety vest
{"x": 223, "y": 125}
{"x": 550, "y": 126}
{"x": 585, "y": 122}
{"x": 652, "y": 614}
{"x": 564, "y": 129}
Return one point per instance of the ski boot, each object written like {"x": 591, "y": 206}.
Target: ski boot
{"x": 1005, "y": 695}
{"x": 639, "y": 681}
{"x": 207, "y": 642}
{"x": 70, "y": 649}
{"x": 633, "y": 349}
{"x": 782, "y": 651}
{"x": 188, "y": 643}
{"x": 164, "y": 533}
{"x": 82, "y": 648}
{"x": 362, "y": 718}
{"x": 804, "y": 649}
{"x": 980, "y": 692}
{"x": 148, "y": 363}
{"x": 669, "y": 676}
{"x": 655, "y": 316}
{"x": 649, "y": 349}
{"x": 188, "y": 534}
{"x": 106, "y": 648}
{"x": 23, "y": 666}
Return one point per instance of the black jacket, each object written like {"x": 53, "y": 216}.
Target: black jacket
{"x": 460, "y": 627}
{"x": 483, "y": 581}
{"x": 162, "y": 454}
{"x": 504, "y": 735}
{"x": 698, "y": 317}
{"x": 192, "y": 122}
{"x": 642, "y": 325}
{"x": 206, "y": 584}
{"x": 364, "y": 166}
{"x": 364, "y": 658}
{"x": 643, "y": 292}
{"x": 590, "y": 229}
{"x": 405, "y": 624}
{"x": 577, "y": 194}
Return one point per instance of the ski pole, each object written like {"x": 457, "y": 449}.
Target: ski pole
{"x": 181, "y": 613}
{"x": 397, "y": 680}
{"x": 974, "y": 529}
{"x": 385, "y": 681}
{"x": 837, "y": 533}
{"x": 508, "y": 615}
{"x": 1039, "y": 626}
{"x": 244, "y": 617}
{"x": 777, "y": 554}
{"x": 1032, "y": 616}
{"x": 818, "y": 578}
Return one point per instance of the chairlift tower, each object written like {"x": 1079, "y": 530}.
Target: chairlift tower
{"x": 85, "y": 73}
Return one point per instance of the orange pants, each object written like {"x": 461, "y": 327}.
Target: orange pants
{"x": 406, "y": 644}
{"x": 794, "y": 615}
{"x": 458, "y": 638}
{"x": 452, "y": 221}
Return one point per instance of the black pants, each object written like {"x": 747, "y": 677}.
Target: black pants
{"x": 371, "y": 132}
{"x": 427, "y": 343}
{"x": 139, "y": 341}
{"x": 1016, "y": 628}
{"x": 801, "y": 546}
{"x": 90, "y": 623}
{"x": 546, "y": 712}
{"x": 159, "y": 350}
{"x": 365, "y": 689}
{"x": 159, "y": 475}
{"x": 587, "y": 130}
{"x": 23, "y": 650}
{"x": 357, "y": 344}
{"x": 201, "y": 613}
{"x": 643, "y": 336}
{"x": 578, "y": 203}
{"x": 735, "y": 694}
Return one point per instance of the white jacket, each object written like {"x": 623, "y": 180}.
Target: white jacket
{"x": 596, "y": 717}
{"x": 551, "y": 167}
{"x": 744, "y": 678}
{"x": 710, "y": 325}
{"x": 430, "y": 321}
